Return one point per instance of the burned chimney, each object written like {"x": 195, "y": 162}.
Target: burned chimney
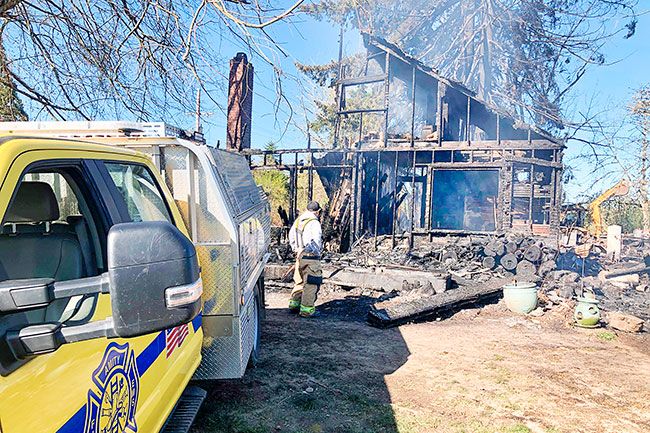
{"x": 240, "y": 103}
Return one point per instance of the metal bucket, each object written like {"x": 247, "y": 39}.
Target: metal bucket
{"x": 520, "y": 297}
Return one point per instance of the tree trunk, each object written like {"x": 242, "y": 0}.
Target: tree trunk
{"x": 8, "y": 5}
{"x": 485, "y": 87}
{"x": 469, "y": 37}
{"x": 643, "y": 184}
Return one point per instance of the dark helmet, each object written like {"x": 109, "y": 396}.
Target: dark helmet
{"x": 313, "y": 206}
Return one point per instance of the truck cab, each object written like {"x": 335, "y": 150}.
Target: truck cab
{"x": 100, "y": 290}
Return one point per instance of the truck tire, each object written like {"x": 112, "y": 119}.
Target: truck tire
{"x": 258, "y": 305}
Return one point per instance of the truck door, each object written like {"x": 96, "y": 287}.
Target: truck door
{"x": 57, "y": 211}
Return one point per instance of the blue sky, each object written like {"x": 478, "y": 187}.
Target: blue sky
{"x": 609, "y": 88}
{"x": 313, "y": 42}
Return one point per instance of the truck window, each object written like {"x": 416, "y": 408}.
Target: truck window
{"x": 68, "y": 203}
{"x": 53, "y": 228}
{"x": 47, "y": 232}
{"x": 140, "y": 192}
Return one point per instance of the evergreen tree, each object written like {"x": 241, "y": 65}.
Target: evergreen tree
{"x": 11, "y": 108}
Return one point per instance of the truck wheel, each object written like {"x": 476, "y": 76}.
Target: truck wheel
{"x": 258, "y": 308}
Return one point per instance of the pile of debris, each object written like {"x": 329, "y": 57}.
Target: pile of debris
{"x": 441, "y": 275}
{"x": 526, "y": 258}
{"x": 474, "y": 257}
{"x": 447, "y": 273}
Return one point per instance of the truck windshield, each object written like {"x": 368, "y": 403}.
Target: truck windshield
{"x": 140, "y": 192}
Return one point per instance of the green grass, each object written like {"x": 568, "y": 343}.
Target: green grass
{"x": 606, "y": 336}
{"x": 305, "y": 402}
{"x": 518, "y": 428}
{"x": 276, "y": 185}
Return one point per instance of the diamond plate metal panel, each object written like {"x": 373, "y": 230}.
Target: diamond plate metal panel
{"x": 227, "y": 357}
{"x": 246, "y": 323}
{"x": 253, "y": 240}
{"x": 217, "y": 274}
{"x": 265, "y": 219}
{"x": 221, "y": 356}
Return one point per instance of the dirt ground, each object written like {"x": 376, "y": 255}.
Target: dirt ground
{"x": 479, "y": 371}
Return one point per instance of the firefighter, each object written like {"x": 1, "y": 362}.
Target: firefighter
{"x": 306, "y": 241}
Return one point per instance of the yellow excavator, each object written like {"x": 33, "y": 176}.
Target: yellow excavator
{"x": 597, "y": 226}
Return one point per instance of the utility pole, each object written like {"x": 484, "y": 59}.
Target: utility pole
{"x": 197, "y": 125}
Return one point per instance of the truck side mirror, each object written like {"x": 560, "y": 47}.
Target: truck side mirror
{"x": 153, "y": 279}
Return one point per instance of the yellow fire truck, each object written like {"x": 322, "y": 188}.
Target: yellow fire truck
{"x": 105, "y": 315}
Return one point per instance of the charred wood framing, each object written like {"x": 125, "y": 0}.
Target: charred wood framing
{"x": 428, "y": 157}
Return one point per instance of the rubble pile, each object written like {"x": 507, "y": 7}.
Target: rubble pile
{"x": 479, "y": 258}
{"x": 446, "y": 273}
{"x": 280, "y": 250}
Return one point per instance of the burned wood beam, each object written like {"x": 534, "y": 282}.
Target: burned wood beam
{"x": 455, "y": 145}
{"x": 532, "y": 193}
{"x": 430, "y": 197}
{"x": 394, "y": 203}
{"x": 363, "y": 110}
{"x": 406, "y": 308}
{"x": 541, "y": 162}
{"x": 413, "y": 87}
{"x": 354, "y": 207}
{"x": 377, "y": 186}
{"x": 412, "y": 200}
{"x": 294, "y": 192}
{"x": 292, "y": 188}
{"x": 467, "y": 121}
{"x": 424, "y": 144}
{"x": 386, "y": 98}
{"x": 285, "y": 167}
{"x": 365, "y": 79}
{"x": 465, "y": 165}
{"x": 358, "y": 190}
{"x": 439, "y": 118}
{"x": 360, "y": 129}
{"x": 498, "y": 127}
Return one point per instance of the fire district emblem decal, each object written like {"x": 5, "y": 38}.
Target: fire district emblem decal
{"x": 111, "y": 406}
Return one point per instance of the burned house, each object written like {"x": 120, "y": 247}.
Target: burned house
{"x": 417, "y": 154}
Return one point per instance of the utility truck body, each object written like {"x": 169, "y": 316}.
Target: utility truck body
{"x": 99, "y": 182}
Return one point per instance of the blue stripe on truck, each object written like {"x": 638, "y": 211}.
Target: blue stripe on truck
{"x": 196, "y": 322}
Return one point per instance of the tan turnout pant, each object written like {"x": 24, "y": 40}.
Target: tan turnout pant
{"x": 307, "y": 278}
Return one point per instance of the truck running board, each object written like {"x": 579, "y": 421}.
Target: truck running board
{"x": 185, "y": 411}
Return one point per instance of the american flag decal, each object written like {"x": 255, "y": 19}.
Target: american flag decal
{"x": 174, "y": 338}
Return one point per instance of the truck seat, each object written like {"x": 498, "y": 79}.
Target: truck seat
{"x": 31, "y": 249}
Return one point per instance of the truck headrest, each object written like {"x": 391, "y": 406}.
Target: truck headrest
{"x": 34, "y": 202}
